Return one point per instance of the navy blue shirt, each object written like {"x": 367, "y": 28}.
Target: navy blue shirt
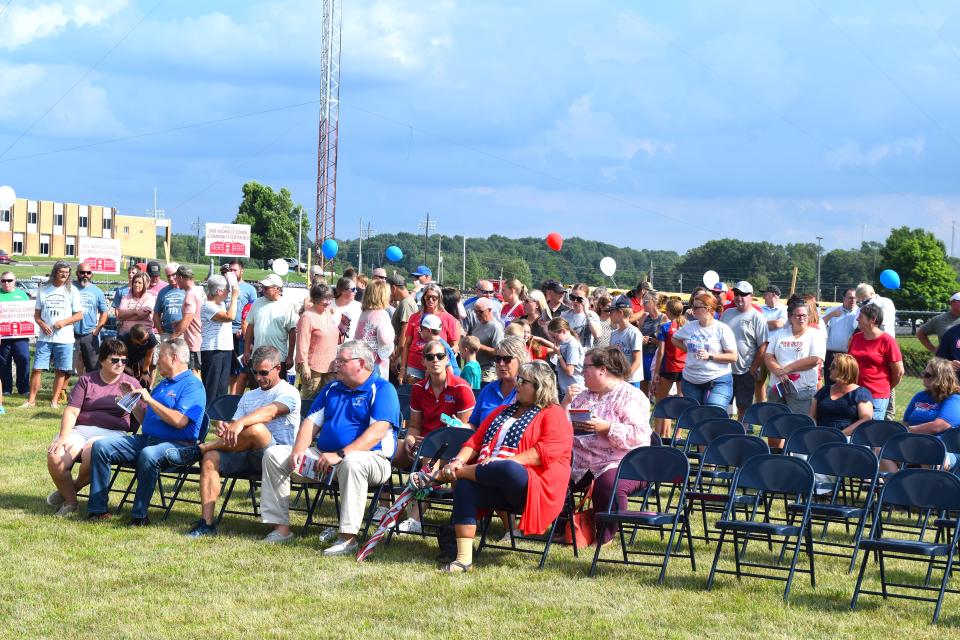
{"x": 183, "y": 393}
{"x": 247, "y": 295}
{"x": 345, "y": 413}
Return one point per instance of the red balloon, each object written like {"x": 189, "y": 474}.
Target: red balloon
{"x": 555, "y": 241}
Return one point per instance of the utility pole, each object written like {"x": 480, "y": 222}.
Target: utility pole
{"x": 365, "y": 234}
{"x": 819, "y": 239}
{"x": 427, "y": 226}
{"x": 681, "y": 281}
{"x": 463, "y": 274}
{"x": 196, "y": 227}
{"x": 650, "y": 275}
{"x": 300, "y": 238}
{"x": 953, "y": 233}
{"x": 439, "y": 258}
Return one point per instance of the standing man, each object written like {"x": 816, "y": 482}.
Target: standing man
{"x": 775, "y": 313}
{"x": 189, "y": 326}
{"x": 58, "y": 307}
{"x": 866, "y": 295}
{"x": 156, "y": 283}
{"x": 272, "y": 321}
{"x": 554, "y": 293}
{"x": 484, "y": 290}
{"x": 489, "y": 331}
{"x": 247, "y": 294}
{"x": 14, "y": 351}
{"x": 627, "y": 338}
{"x": 86, "y": 333}
{"x": 841, "y": 322}
{"x": 421, "y": 277}
{"x": 938, "y": 325}
{"x": 168, "y": 311}
{"x": 170, "y": 417}
{"x": 750, "y": 330}
{"x": 405, "y": 306}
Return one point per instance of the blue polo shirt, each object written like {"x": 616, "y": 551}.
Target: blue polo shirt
{"x": 169, "y": 307}
{"x": 346, "y": 413}
{"x": 247, "y": 295}
{"x": 923, "y": 408}
{"x": 94, "y": 303}
{"x": 183, "y": 393}
{"x": 489, "y": 398}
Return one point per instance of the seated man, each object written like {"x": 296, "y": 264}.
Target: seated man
{"x": 267, "y": 415}
{"x": 356, "y": 416}
{"x": 171, "y": 418}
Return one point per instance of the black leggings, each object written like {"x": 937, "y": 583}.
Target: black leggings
{"x": 500, "y": 485}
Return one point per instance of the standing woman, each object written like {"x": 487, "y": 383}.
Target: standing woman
{"x": 652, "y": 320}
{"x": 374, "y": 327}
{"x": 878, "y": 356}
{"x": 317, "y": 340}
{"x": 669, "y": 361}
{"x": 711, "y": 347}
{"x": 569, "y": 354}
{"x": 411, "y": 347}
{"x": 216, "y": 337}
{"x": 136, "y": 305}
{"x": 346, "y": 308}
{"x": 535, "y": 305}
{"x": 513, "y": 294}
{"x": 584, "y": 323}
{"x": 602, "y": 305}
{"x": 793, "y": 358}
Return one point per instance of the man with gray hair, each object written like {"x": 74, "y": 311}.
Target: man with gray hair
{"x": 489, "y": 331}
{"x": 354, "y": 421}
{"x": 170, "y": 417}
{"x": 265, "y": 416}
{"x": 216, "y": 337}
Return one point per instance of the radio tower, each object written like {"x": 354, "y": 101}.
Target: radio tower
{"x": 329, "y": 122}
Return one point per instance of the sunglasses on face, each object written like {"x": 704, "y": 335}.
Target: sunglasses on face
{"x": 263, "y": 373}
{"x": 503, "y": 359}
{"x": 577, "y": 299}
{"x": 431, "y": 357}
{"x": 84, "y": 273}
{"x": 117, "y": 360}
{"x": 379, "y": 277}
{"x": 7, "y": 280}
{"x": 800, "y": 316}
{"x": 485, "y": 292}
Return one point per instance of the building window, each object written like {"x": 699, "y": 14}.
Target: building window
{"x": 18, "y": 243}
{"x": 4, "y": 215}
{"x": 107, "y": 223}
{"x": 83, "y": 220}
{"x": 32, "y": 217}
{"x": 126, "y": 231}
{"x": 71, "y": 246}
{"x": 58, "y": 220}
{"x": 44, "y": 245}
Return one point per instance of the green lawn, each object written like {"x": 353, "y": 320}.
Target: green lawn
{"x": 68, "y": 578}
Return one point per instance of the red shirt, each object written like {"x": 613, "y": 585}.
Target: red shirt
{"x": 874, "y": 358}
{"x": 674, "y": 358}
{"x": 455, "y": 398}
{"x": 449, "y": 331}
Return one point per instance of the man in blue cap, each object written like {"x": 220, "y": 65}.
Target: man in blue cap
{"x": 421, "y": 277}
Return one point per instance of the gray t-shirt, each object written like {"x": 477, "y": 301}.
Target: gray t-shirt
{"x": 750, "y": 331}
{"x": 938, "y": 325}
{"x": 580, "y": 325}
{"x": 714, "y": 338}
{"x": 284, "y": 427}
{"x": 489, "y": 334}
{"x": 405, "y": 308}
{"x": 627, "y": 341}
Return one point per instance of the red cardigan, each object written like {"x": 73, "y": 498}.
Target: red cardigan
{"x": 551, "y": 434}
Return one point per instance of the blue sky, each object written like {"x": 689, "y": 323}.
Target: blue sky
{"x": 652, "y": 125}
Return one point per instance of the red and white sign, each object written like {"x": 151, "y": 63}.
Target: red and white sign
{"x": 231, "y": 240}
{"x": 102, "y": 254}
{"x": 16, "y": 319}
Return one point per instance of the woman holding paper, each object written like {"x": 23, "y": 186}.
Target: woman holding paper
{"x": 793, "y": 358}
{"x": 610, "y": 417}
{"x": 136, "y": 306}
{"x": 92, "y": 413}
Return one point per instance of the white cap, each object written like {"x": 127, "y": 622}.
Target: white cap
{"x": 743, "y": 286}
{"x": 272, "y": 280}
{"x": 955, "y": 297}
{"x": 431, "y": 322}
{"x": 316, "y": 270}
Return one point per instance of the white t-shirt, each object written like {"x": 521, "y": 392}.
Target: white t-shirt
{"x": 714, "y": 338}
{"x": 787, "y": 348}
{"x": 353, "y": 309}
{"x": 272, "y": 321}
{"x": 57, "y": 303}
{"x": 628, "y": 341}
{"x": 214, "y": 336}
{"x": 283, "y": 427}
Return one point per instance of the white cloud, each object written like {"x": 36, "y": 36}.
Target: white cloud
{"x": 21, "y": 25}
{"x": 17, "y": 80}
{"x": 852, "y": 154}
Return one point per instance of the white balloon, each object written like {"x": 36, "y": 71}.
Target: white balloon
{"x": 280, "y": 267}
{"x": 710, "y": 278}
{"x": 7, "y": 197}
{"x": 608, "y": 266}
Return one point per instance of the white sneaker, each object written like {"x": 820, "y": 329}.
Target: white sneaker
{"x": 506, "y": 539}
{"x": 410, "y": 526}
{"x": 328, "y": 535}
{"x": 379, "y": 513}
{"x": 275, "y": 537}
{"x": 55, "y": 499}
{"x": 342, "y": 548}
{"x": 67, "y": 510}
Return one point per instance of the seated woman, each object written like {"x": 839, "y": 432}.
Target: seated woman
{"x": 619, "y": 421}
{"x": 844, "y": 404}
{"x": 519, "y": 460}
{"x": 937, "y": 407}
{"x": 508, "y": 358}
{"x": 91, "y": 414}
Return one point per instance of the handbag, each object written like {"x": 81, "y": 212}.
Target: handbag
{"x": 582, "y": 523}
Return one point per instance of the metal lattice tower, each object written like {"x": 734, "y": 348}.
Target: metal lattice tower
{"x": 329, "y": 124}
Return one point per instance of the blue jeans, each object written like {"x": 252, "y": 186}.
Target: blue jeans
{"x": 718, "y": 391}
{"x": 147, "y": 452}
{"x": 880, "y": 408}
{"x": 15, "y": 351}
{"x": 501, "y": 486}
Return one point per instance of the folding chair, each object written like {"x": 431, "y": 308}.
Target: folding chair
{"x": 782, "y": 426}
{"x": 766, "y": 476}
{"x": 914, "y": 449}
{"x": 951, "y": 441}
{"x": 706, "y": 431}
{"x": 843, "y": 462}
{"x": 690, "y": 417}
{"x": 658, "y": 467}
{"x": 403, "y": 395}
{"x": 759, "y": 412}
{"x": 924, "y": 489}
{"x": 671, "y": 407}
{"x": 875, "y": 433}
{"x": 806, "y": 440}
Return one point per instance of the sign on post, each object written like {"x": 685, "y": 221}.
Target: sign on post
{"x": 16, "y": 319}
{"x": 228, "y": 240}
{"x": 102, "y": 254}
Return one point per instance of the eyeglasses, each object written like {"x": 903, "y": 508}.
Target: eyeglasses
{"x": 926, "y": 375}
{"x": 503, "y": 359}
{"x": 485, "y": 292}
{"x": 430, "y": 357}
{"x": 699, "y": 306}
{"x": 431, "y": 297}
{"x": 342, "y": 361}
{"x": 263, "y": 373}
{"x": 521, "y": 380}
{"x": 117, "y": 360}
{"x": 577, "y": 299}
{"x": 606, "y": 310}
{"x": 8, "y": 280}
{"x": 800, "y": 316}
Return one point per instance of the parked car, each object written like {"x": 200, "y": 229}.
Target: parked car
{"x": 293, "y": 263}
{"x": 4, "y": 258}
{"x": 30, "y": 287}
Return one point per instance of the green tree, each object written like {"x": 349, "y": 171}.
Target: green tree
{"x": 183, "y": 247}
{"x": 926, "y": 277}
{"x": 518, "y": 268}
{"x": 272, "y": 218}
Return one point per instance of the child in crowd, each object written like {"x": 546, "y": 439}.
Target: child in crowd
{"x": 569, "y": 353}
{"x": 469, "y": 345}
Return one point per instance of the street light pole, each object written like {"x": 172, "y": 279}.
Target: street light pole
{"x": 819, "y": 239}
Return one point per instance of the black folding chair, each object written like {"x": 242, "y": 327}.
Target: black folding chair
{"x": 759, "y": 413}
{"x": 659, "y": 467}
{"x": 782, "y": 426}
{"x": 926, "y": 490}
{"x": 806, "y": 440}
{"x": 875, "y": 433}
{"x": 403, "y": 395}
{"x": 768, "y": 476}
{"x": 692, "y": 416}
{"x": 671, "y": 408}
{"x": 914, "y": 449}
{"x": 706, "y": 431}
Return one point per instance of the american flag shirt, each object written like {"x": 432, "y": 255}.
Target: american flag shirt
{"x": 502, "y": 439}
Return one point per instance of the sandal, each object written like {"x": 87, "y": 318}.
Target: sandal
{"x": 456, "y": 567}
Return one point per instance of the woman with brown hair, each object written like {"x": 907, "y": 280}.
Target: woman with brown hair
{"x": 711, "y": 348}
{"x": 513, "y": 294}
{"x": 844, "y": 404}
{"x": 937, "y": 408}
{"x": 668, "y": 363}
{"x": 136, "y": 306}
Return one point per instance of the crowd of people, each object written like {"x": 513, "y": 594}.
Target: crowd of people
{"x": 557, "y": 383}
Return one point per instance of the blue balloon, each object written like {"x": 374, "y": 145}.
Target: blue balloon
{"x": 394, "y": 254}
{"x": 329, "y": 248}
{"x": 890, "y": 279}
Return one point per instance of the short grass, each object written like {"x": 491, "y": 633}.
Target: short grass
{"x": 69, "y": 578}
{"x": 25, "y": 271}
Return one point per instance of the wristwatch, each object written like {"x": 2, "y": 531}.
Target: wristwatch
{"x": 710, "y": 357}
{"x": 341, "y": 453}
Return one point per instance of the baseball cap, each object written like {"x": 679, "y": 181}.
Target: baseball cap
{"x": 431, "y": 322}
{"x": 185, "y": 272}
{"x": 743, "y": 287}
{"x": 774, "y": 289}
{"x": 397, "y": 280}
{"x": 422, "y": 270}
{"x": 316, "y": 270}
{"x": 272, "y": 280}
{"x": 955, "y": 297}
{"x": 621, "y": 303}
{"x": 720, "y": 286}
{"x": 553, "y": 285}
{"x": 153, "y": 268}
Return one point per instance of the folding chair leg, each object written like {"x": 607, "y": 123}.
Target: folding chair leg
{"x": 596, "y": 560}
{"x": 856, "y": 589}
{"x": 225, "y": 500}
{"x": 693, "y": 559}
{"x": 716, "y": 559}
{"x": 793, "y": 567}
{"x": 943, "y": 587}
{"x": 809, "y": 537}
{"x": 666, "y": 553}
{"x": 883, "y": 577}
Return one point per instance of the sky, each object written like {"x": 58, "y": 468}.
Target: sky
{"x": 649, "y": 125}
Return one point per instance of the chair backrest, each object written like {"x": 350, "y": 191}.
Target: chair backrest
{"x": 922, "y": 489}
{"x": 875, "y": 433}
{"x": 224, "y": 407}
{"x": 692, "y": 416}
{"x": 655, "y": 464}
{"x": 845, "y": 460}
{"x": 914, "y": 448}
{"x": 448, "y": 439}
{"x": 655, "y": 439}
{"x": 951, "y": 439}
{"x": 774, "y": 473}
{"x": 672, "y": 406}
{"x": 785, "y": 424}
{"x": 732, "y": 450}
{"x": 806, "y": 440}
{"x": 705, "y": 432}
{"x": 403, "y": 396}
{"x": 760, "y": 412}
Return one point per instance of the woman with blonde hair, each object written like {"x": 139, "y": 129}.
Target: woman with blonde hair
{"x": 844, "y": 404}
{"x": 535, "y": 308}
{"x": 513, "y": 294}
{"x": 374, "y": 327}
{"x": 136, "y": 306}
{"x": 937, "y": 408}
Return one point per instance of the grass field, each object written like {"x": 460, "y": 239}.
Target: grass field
{"x": 70, "y": 578}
